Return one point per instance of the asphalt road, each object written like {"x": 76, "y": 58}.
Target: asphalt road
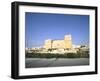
{"x": 43, "y": 62}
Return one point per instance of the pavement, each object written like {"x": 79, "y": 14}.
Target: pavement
{"x": 55, "y": 62}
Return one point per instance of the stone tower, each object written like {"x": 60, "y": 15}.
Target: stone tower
{"x": 48, "y": 44}
{"x": 68, "y": 41}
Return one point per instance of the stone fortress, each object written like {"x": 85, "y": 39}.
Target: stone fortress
{"x": 58, "y": 46}
{"x": 66, "y": 43}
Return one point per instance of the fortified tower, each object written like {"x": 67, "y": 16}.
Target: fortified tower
{"x": 48, "y": 44}
{"x": 68, "y": 41}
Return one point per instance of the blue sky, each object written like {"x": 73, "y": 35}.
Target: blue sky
{"x": 42, "y": 26}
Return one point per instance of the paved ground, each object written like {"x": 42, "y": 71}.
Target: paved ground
{"x": 42, "y": 62}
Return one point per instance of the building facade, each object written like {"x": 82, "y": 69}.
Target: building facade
{"x": 66, "y": 43}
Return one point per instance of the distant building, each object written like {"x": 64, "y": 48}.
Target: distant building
{"x": 66, "y": 43}
{"x": 76, "y": 46}
{"x": 59, "y": 47}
